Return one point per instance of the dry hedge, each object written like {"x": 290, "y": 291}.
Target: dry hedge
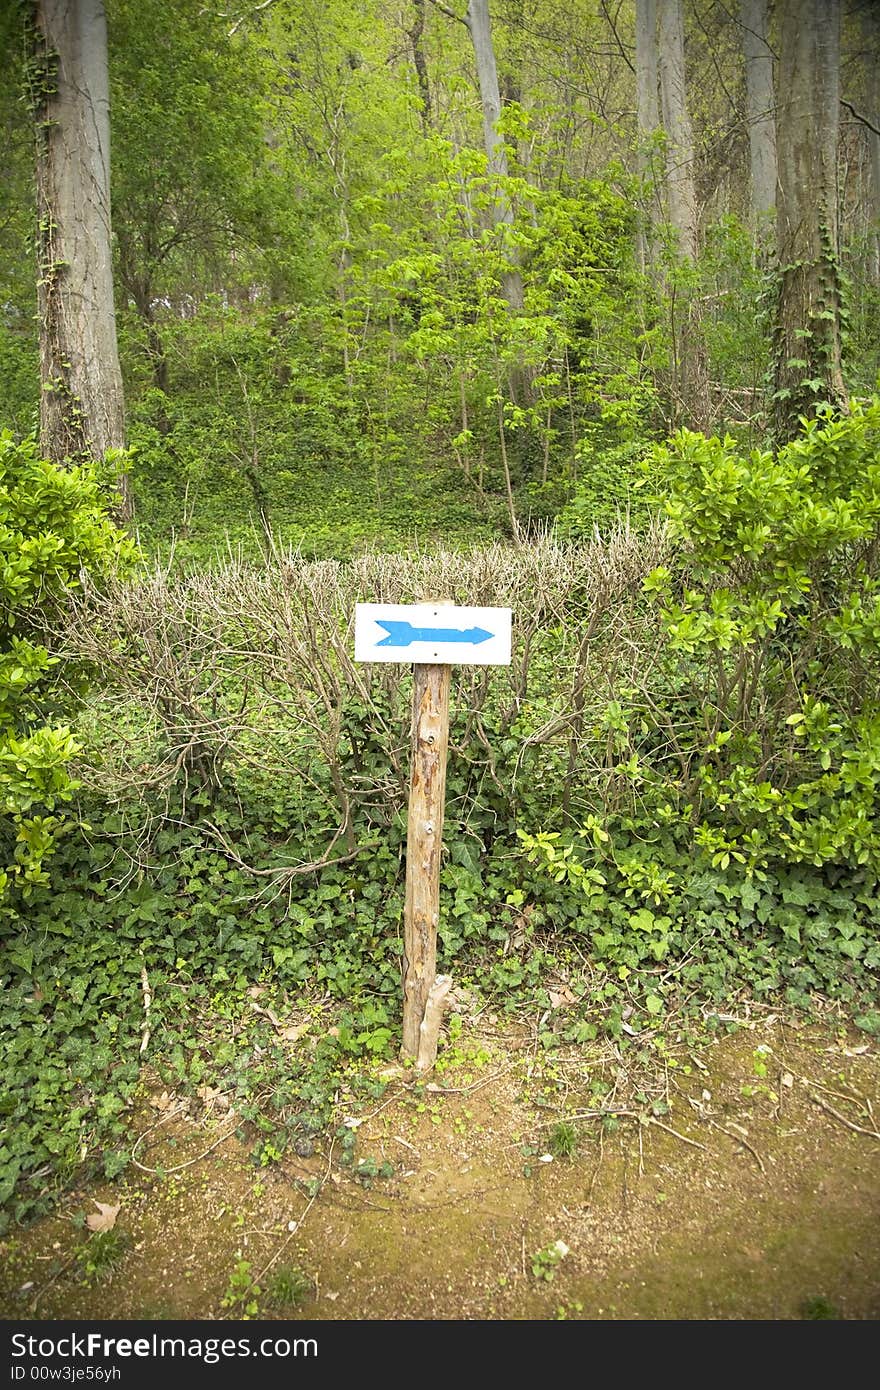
{"x": 208, "y": 673}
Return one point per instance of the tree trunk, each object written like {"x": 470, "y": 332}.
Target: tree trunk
{"x": 680, "y": 187}
{"x": 690, "y": 386}
{"x": 477, "y": 21}
{"x": 807, "y": 362}
{"x": 874, "y": 156}
{"x": 81, "y": 412}
{"x": 871, "y": 32}
{"x": 647, "y": 113}
{"x": 415, "y": 33}
{"x": 759, "y": 110}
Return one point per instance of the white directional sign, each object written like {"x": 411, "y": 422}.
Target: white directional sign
{"x": 427, "y": 633}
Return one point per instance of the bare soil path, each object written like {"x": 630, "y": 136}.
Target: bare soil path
{"x": 744, "y": 1182}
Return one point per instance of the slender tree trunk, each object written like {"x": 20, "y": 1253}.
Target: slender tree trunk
{"x": 81, "y": 413}
{"x": 871, "y": 40}
{"x": 760, "y": 110}
{"x": 647, "y": 112}
{"x": 690, "y": 385}
{"x": 807, "y": 357}
{"x": 680, "y": 186}
{"x": 874, "y": 183}
{"x": 415, "y": 33}
{"x": 479, "y": 27}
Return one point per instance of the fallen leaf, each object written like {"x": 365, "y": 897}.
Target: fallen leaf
{"x": 331, "y": 1295}
{"x": 104, "y": 1219}
{"x": 787, "y": 1079}
{"x": 561, "y": 998}
{"x": 294, "y": 1031}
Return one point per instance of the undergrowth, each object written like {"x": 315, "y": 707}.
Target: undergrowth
{"x": 274, "y": 1002}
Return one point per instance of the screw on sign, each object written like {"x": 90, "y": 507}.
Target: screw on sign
{"x": 433, "y": 637}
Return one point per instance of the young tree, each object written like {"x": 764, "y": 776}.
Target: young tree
{"x": 81, "y": 412}
{"x": 759, "y": 109}
{"x": 807, "y": 354}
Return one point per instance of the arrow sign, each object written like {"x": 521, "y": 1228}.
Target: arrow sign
{"x": 428, "y": 634}
{"x": 402, "y": 634}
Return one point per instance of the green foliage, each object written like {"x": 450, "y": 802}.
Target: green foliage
{"x": 695, "y": 819}
{"x": 739, "y": 832}
{"x": 96, "y": 1257}
{"x": 288, "y": 1287}
{"x": 53, "y": 530}
{"x": 564, "y": 1139}
{"x": 191, "y": 187}
{"x": 242, "y": 1293}
{"x": 819, "y": 1308}
{"x": 545, "y": 1262}
{"x": 776, "y": 641}
{"x": 607, "y": 488}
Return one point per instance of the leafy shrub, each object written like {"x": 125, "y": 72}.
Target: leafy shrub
{"x": 739, "y": 821}
{"x": 772, "y": 643}
{"x": 53, "y": 528}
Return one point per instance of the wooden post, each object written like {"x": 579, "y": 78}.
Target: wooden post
{"x": 430, "y": 737}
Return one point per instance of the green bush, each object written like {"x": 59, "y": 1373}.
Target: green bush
{"x": 741, "y": 806}
{"x": 53, "y": 529}
{"x": 772, "y": 642}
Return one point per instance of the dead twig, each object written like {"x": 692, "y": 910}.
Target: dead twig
{"x": 464, "y": 1090}
{"x": 178, "y": 1167}
{"x": 694, "y": 1143}
{"x": 740, "y": 1139}
{"x": 148, "y": 999}
{"x": 850, "y": 1124}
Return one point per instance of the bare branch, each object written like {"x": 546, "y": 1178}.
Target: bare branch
{"x": 862, "y": 119}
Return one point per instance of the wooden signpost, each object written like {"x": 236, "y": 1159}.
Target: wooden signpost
{"x": 432, "y": 636}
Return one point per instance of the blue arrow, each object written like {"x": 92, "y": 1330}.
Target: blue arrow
{"x": 402, "y": 634}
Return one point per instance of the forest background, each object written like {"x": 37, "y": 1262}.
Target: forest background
{"x": 401, "y": 298}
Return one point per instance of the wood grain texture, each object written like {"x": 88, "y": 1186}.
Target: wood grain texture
{"x": 430, "y": 737}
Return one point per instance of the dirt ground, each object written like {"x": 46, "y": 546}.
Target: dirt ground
{"x": 740, "y": 1181}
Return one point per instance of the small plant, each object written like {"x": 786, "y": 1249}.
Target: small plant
{"x": 568, "y": 1310}
{"x": 564, "y": 1139}
{"x": 369, "y": 1169}
{"x": 819, "y": 1308}
{"x": 289, "y": 1287}
{"x": 242, "y": 1291}
{"x": 97, "y": 1256}
{"x": 759, "y": 1067}
{"x": 544, "y": 1262}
